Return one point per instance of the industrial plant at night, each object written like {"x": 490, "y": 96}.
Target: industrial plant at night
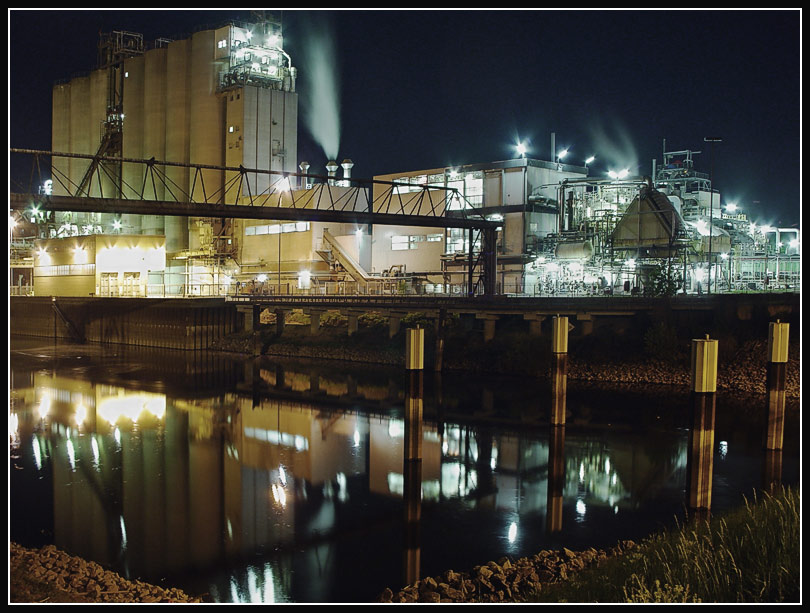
{"x": 213, "y": 118}
{"x": 312, "y": 307}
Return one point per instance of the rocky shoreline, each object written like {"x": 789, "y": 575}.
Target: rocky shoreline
{"x": 50, "y": 575}
{"x": 504, "y": 580}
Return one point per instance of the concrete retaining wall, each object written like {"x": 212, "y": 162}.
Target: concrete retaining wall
{"x": 169, "y": 323}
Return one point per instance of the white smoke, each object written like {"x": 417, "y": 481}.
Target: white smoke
{"x": 614, "y": 147}
{"x": 322, "y": 94}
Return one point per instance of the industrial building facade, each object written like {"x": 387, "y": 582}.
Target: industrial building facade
{"x": 225, "y": 99}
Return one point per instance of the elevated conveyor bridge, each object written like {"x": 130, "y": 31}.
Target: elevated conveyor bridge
{"x": 227, "y": 192}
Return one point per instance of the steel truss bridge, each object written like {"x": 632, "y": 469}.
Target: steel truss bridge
{"x": 227, "y": 192}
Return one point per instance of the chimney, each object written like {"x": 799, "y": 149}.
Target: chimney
{"x": 304, "y": 166}
{"x": 331, "y": 168}
{"x": 347, "y": 169}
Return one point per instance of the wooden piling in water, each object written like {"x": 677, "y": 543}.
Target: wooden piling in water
{"x": 559, "y": 370}
{"x": 701, "y": 436}
{"x": 412, "y": 454}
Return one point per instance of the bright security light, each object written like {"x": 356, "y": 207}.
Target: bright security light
{"x": 731, "y": 207}
{"x": 521, "y": 149}
{"x": 612, "y": 174}
{"x": 589, "y": 160}
{"x": 563, "y": 153}
{"x": 624, "y": 173}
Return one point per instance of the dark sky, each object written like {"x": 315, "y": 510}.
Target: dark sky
{"x": 428, "y": 89}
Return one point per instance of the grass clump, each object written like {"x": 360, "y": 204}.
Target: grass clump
{"x": 748, "y": 556}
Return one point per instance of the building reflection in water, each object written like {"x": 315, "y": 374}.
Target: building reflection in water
{"x": 158, "y": 485}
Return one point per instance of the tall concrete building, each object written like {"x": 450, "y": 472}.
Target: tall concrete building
{"x": 220, "y": 97}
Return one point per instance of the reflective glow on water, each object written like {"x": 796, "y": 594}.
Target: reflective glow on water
{"x": 282, "y": 493}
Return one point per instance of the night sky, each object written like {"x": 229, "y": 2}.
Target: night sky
{"x": 428, "y": 89}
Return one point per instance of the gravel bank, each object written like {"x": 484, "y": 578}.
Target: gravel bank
{"x": 49, "y": 575}
{"x": 504, "y": 580}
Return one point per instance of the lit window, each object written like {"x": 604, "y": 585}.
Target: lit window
{"x": 230, "y": 129}
{"x": 399, "y": 243}
{"x": 222, "y": 44}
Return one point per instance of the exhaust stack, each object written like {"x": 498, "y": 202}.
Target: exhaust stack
{"x": 347, "y": 169}
{"x": 331, "y": 168}
{"x": 304, "y": 166}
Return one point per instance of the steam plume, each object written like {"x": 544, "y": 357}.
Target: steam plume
{"x": 322, "y": 103}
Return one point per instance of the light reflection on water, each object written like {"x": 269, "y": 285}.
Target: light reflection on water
{"x": 285, "y": 482}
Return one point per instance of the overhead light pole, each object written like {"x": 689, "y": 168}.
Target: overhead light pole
{"x": 712, "y": 140}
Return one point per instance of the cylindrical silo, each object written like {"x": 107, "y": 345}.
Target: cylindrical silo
{"x": 207, "y": 115}
{"x": 154, "y": 95}
{"x": 133, "y": 174}
{"x": 79, "y": 129}
{"x": 102, "y": 184}
{"x": 207, "y": 123}
{"x": 177, "y": 138}
{"x": 60, "y": 138}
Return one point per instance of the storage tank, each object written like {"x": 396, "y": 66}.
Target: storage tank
{"x": 574, "y": 250}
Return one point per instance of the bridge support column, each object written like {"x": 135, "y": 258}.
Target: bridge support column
{"x": 353, "y": 320}
{"x": 489, "y": 325}
{"x": 535, "y": 323}
{"x": 394, "y": 319}
{"x": 281, "y": 315}
{"x": 587, "y": 323}
{"x": 251, "y": 317}
{"x": 314, "y": 319}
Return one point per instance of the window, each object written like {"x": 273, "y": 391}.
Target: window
{"x": 222, "y": 44}
{"x": 300, "y": 226}
{"x": 400, "y": 243}
{"x": 435, "y": 238}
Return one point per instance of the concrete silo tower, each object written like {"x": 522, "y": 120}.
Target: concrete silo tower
{"x": 222, "y": 97}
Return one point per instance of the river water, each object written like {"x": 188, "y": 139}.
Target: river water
{"x": 271, "y": 480}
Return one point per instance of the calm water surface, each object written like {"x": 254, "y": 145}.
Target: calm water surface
{"x": 268, "y": 480}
